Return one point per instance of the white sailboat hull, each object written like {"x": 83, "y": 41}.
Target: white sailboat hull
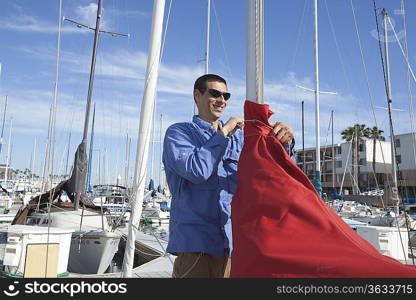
{"x": 92, "y": 253}
{"x": 92, "y": 248}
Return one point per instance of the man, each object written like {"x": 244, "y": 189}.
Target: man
{"x": 200, "y": 159}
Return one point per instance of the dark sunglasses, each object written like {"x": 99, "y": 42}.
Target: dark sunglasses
{"x": 216, "y": 94}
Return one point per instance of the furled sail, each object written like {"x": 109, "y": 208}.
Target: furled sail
{"x": 282, "y": 228}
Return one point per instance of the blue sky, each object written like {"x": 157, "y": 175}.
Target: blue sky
{"x": 28, "y": 31}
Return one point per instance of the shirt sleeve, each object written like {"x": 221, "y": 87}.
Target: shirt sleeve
{"x": 195, "y": 164}
{"x": 290, "y": 148}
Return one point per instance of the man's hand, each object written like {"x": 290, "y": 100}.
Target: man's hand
{"x": 232, "y": 125}
{"x": 282, "y": 132}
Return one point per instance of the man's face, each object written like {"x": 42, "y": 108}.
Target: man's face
{"x": 209, "y": 107}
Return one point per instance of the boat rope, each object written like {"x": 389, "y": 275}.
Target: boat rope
{"x": 299, "y": 33}
{"x": 221, "y": 39}
{"x": 346, "y": 165}
{"x": 409, "y": 89}
{"x": 370, "y": 94}
{"x": 390, "y": 118}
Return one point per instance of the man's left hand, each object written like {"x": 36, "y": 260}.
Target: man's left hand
{"x": 283, "y": 132}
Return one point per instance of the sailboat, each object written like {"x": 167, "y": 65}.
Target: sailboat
{"x": 93, "y": 243}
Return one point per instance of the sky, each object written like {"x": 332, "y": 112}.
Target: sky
{"x": 29, "y": 30}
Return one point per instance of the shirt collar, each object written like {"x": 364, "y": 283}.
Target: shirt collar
{"x": 203, "y": 124}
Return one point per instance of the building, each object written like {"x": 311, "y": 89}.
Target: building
{"x": 367, "y": 179}
{"x": 3, "y": 168}
{"x": 406, "y": 163}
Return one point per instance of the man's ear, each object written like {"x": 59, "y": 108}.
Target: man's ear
{"x": 196, "y": 95}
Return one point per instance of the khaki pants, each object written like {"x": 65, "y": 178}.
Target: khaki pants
{"x": 201, "y": 265}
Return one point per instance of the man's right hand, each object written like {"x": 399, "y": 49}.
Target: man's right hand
{"x": 232, "y": 125}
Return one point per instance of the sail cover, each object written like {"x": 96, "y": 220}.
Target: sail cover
{"x": 282, "y": 228}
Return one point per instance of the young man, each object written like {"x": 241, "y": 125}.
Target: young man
{"x": 200, "y": 159}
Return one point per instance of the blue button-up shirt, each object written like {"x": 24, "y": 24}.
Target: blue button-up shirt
{"x": 201, "y": 172}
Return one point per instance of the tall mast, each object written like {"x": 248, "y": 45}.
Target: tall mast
{"x": 303, "y": 137}
{"x": 333, "y": 151}
{"x": 90, "y": 154}
{"x": 254, "y": 45}
{"x": 80, "y": 184}
{"x": 67, "y": 154}
{"x": 126, "y": 162}
{"x": 152, "y": 154}
{"x": 389, "y": 107}
{"x": 160, "y": 151}
{"x": 146, "y": 111}
{"x": 4, "y": 120}
{"x": 50, "y": 144}
{"x": 206, "y": 59}
{"x": 9, "y": 147}
{"x": 207, "y": 38}
{"x": 317, "y": 179}
{"x": 33, "y": 160}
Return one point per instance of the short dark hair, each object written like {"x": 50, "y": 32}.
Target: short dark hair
{"x": 201, "y": 82}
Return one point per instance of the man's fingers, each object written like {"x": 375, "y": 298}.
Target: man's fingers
{"x": 287, "y": 138}
{"x": 276, "y": 129}
{"x": 281, "y": 134}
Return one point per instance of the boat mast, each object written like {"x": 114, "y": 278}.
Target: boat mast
{"x": 126, "y": 161}
{"x": 4, "y": 120}
{"x": 33, "y": 161}
{"x": 207, "y": 37}
{"x": 333, "y": 151}
{"x": 303, "y": 137}
{"x": 254, "y": 44}
{"x": 146, "y": 111}
{"x": 160, "y": 152}
{"x": 317, "y": 179}
{"x": 206, "y": 59}
{"x": 67, "y": 153}
{"x": 90, "y": 154}
{"x": 80, "y": 184}
{"x": 389, "y": 108}
{"x": 50, "y": 144}
{"x": 9, "y": 147}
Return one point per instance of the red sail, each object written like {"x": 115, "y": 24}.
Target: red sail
{"x": 282, "y": 228}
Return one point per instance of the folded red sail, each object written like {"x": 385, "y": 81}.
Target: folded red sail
{"x": 282, "y": 228}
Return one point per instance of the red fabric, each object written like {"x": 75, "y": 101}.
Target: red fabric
{"x": 282, "y": 228}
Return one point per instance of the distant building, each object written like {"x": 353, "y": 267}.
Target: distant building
{"x": 406, "y": 162}
{"x": 343, "y": 165}
{"x": 3, "y": 168}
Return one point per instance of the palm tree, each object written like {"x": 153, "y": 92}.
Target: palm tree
{"x": 355, "y": 134}
{"x": 375, "y": 134}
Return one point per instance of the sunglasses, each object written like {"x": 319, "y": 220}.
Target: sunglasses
{"x": 216, "y": 94}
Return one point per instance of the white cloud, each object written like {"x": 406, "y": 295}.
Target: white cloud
{"x": 27, "y": 23}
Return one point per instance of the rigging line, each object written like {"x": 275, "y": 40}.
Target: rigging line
{"x": 346, "y": 165}
{"x": 370, "y": 94}
{"x": 391, "y": 122}
{"x": 401, "y": 48}
{"x": 221, "y": 39}
{"x": 409, "y": 89}
{"x": 337, "y": 46}
{"x": 300, "y": 27}
{"x": 408, "y": 82}
{"x": 326, "y": 140}
{"x": 380, "y": 49}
